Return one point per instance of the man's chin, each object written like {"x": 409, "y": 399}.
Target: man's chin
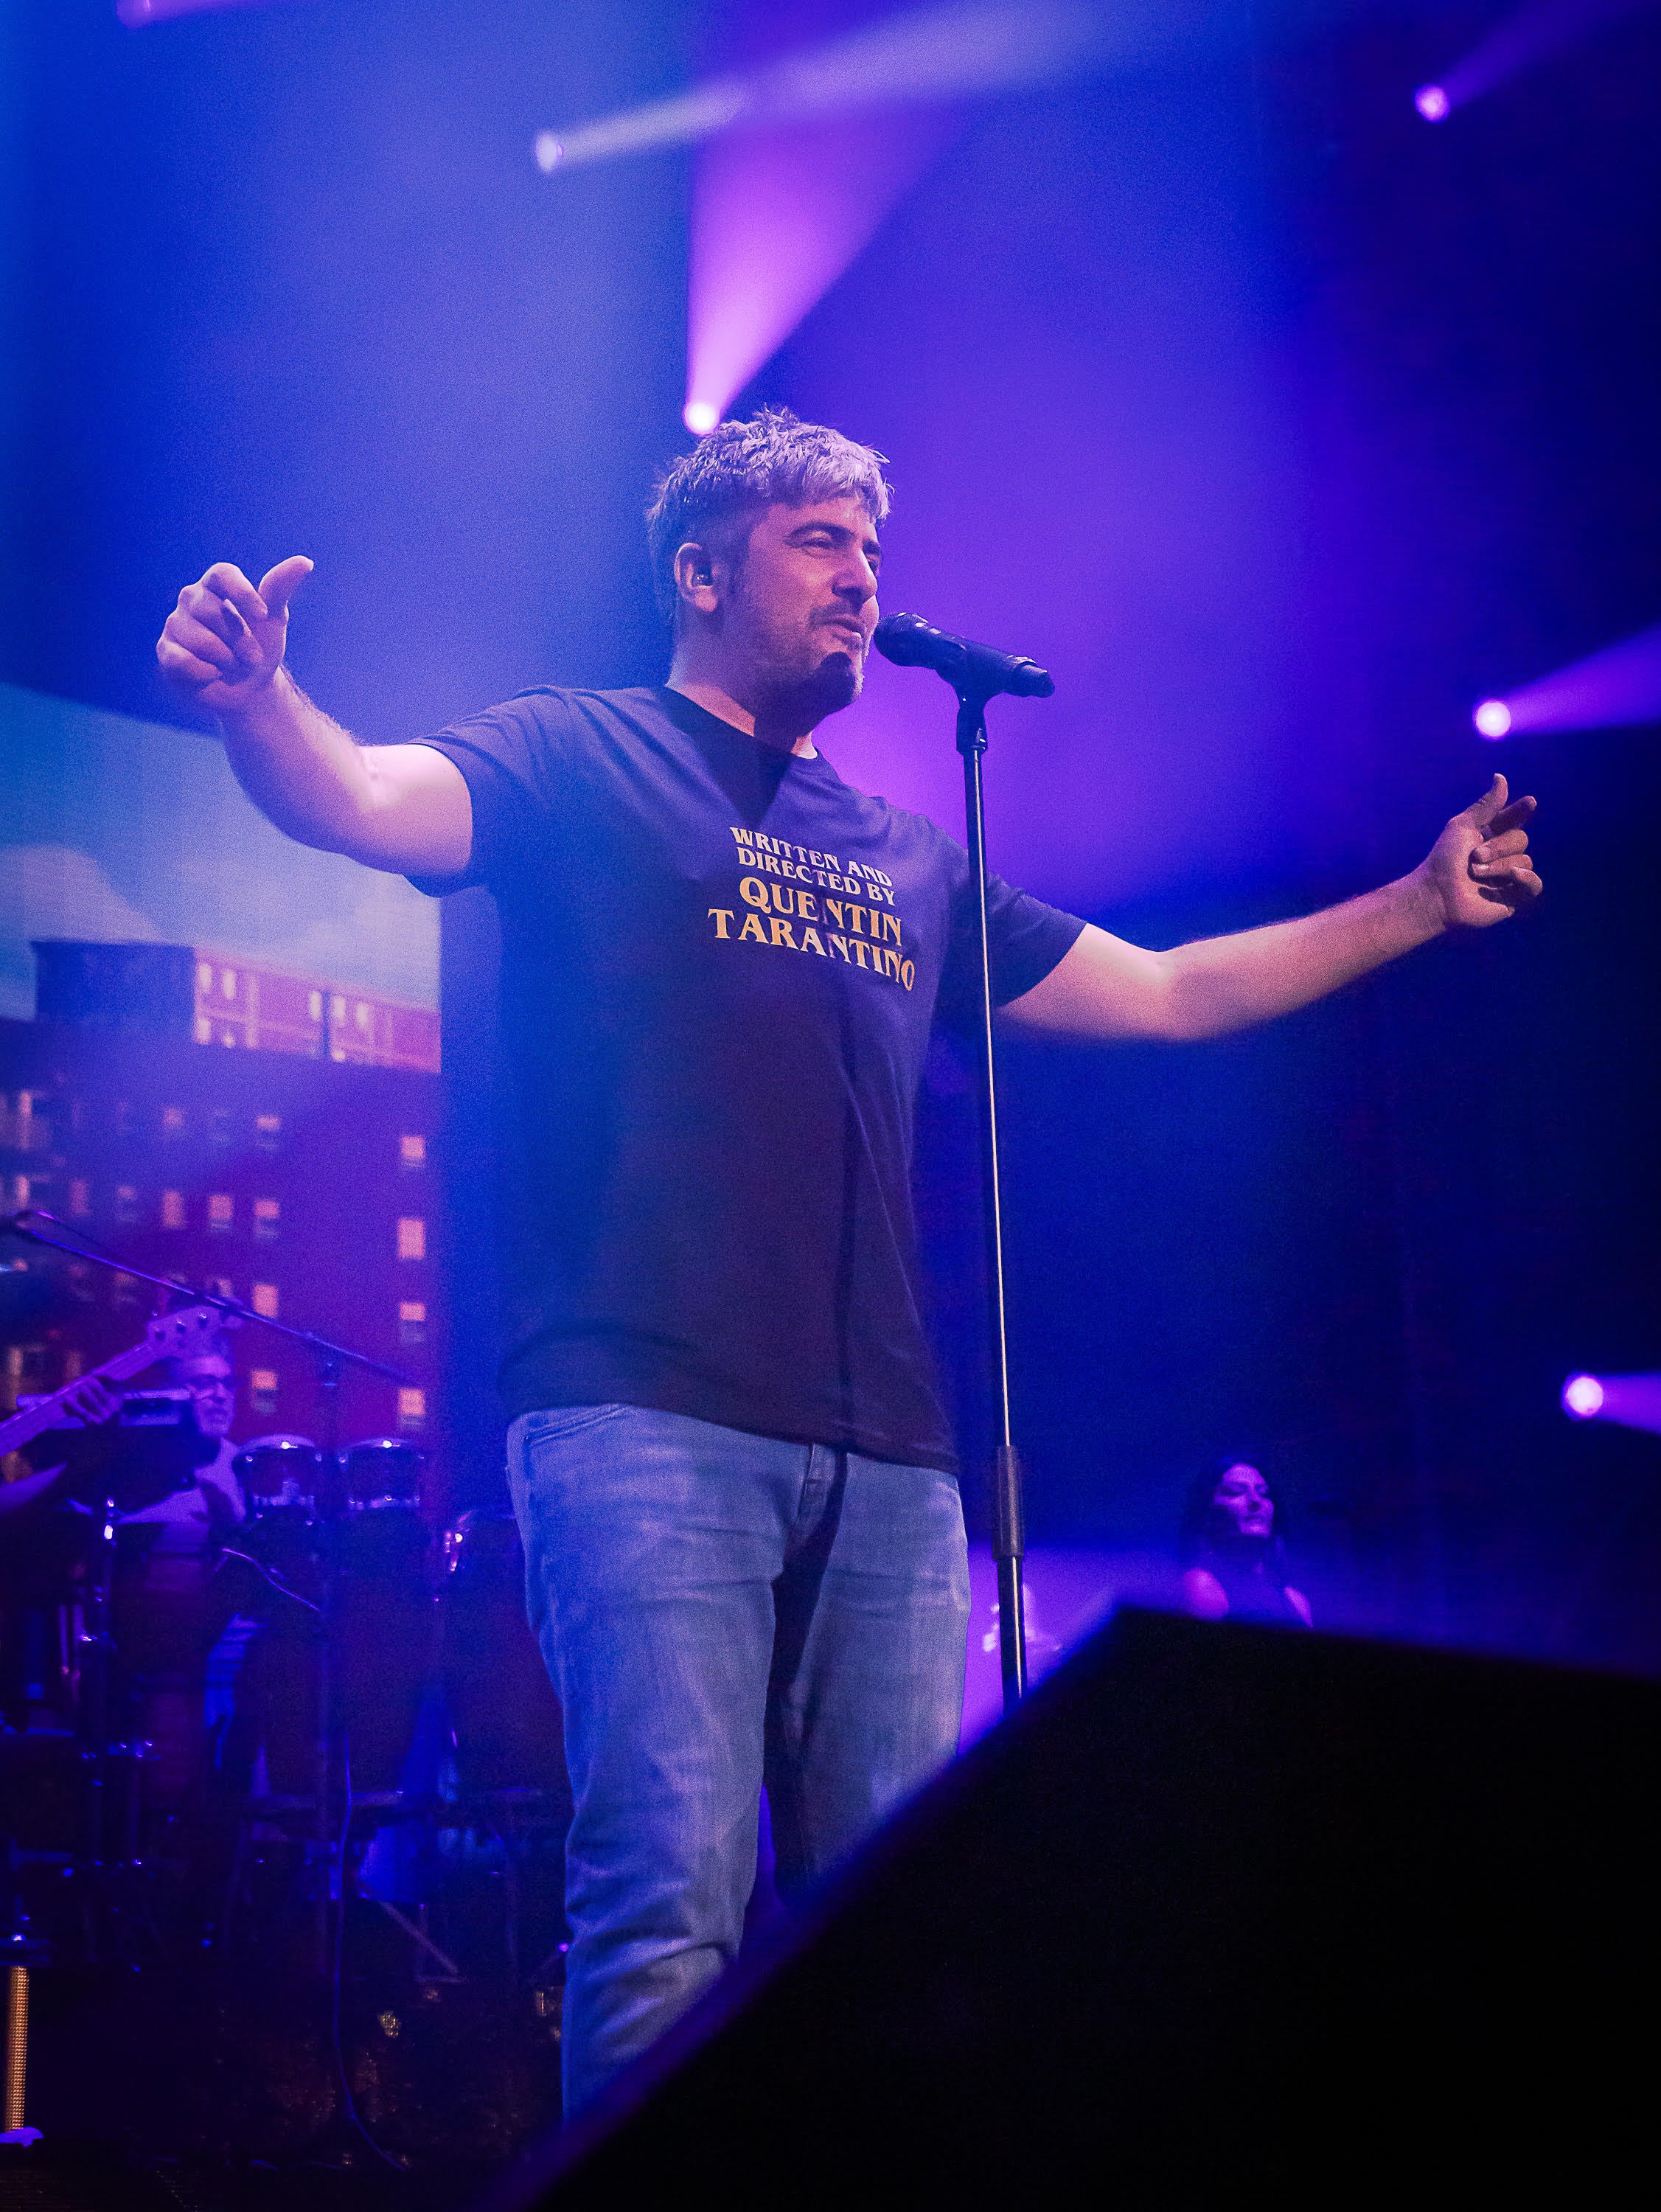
{"x": 838, "y": 680}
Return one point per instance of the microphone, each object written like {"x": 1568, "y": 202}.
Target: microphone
{"x": 910, "y": 642}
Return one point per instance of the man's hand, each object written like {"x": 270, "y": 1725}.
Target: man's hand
{"x": 88, "y": 1406}
{"x": 224, "y": 641}
{"x": 1480, "y": 871}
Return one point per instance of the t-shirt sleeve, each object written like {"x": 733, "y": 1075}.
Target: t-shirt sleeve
{"x": 1026, "y": 939}
{"x": 512, "y": 757}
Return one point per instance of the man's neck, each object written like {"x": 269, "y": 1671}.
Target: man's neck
{"x": 721, "y": 704}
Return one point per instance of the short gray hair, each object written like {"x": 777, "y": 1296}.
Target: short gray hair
{"x": 742, "y": 467}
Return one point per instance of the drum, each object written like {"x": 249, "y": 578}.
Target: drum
{"x": 365, "y": 1570}
{"x": 382, "y": 1471}
{"x": 279, "y": 1472}
{"x": 509, "y": 1731}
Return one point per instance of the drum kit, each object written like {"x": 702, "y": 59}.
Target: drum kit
{"x": 328, "y": 1658}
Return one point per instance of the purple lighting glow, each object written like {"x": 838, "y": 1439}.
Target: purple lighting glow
{"x": 948, "y": 52}
{"x": 1538, "y": 29}
{"x": 805, "y": 157}
{"x": 1622, "y": 684}
{"x": 136, "y": 13}
{"x": 1632, "y": 1400}
{"x": 776, "y": 215}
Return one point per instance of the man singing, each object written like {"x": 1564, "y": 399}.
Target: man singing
{"x": 733, "y": 1477}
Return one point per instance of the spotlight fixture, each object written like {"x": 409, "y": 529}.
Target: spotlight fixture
{"x": 701, "y": 416}
{"x": 1433, "y": 103}
{"x": 1620, "y": 684}
{"x": 1583, "y": 1397}
{"x": 1492, "y": 718}
{"x": 1632, "y": 1402}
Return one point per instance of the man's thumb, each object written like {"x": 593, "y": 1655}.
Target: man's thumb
{"x": 1491, "y": 803}
{"x": 278, "y": 585}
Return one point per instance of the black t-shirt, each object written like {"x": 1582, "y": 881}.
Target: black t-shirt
{"x": 719, "y": 968}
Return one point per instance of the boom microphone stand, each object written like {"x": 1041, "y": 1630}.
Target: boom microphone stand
{"x": 976, "y": 674}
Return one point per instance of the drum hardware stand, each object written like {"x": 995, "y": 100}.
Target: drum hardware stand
{"x": 21, "y": 1956}
{"x": 976, "y": 676}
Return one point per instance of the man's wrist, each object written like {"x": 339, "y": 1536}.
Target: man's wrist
{"x": 1420, "y": 906}
{"x": 265, "y": 713}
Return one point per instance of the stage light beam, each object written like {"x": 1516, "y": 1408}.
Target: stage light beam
{"x": 138, "y": 14}
{"x": 801, "y": 161}
{"x": 1632, "y": 1402}
{"x": 1538, "y": 29}
{"x": 1620, "y": 685}
{"x": 948, "y": 51}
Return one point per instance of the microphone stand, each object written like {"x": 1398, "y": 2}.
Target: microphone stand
{"x": 1009, "y": 1530}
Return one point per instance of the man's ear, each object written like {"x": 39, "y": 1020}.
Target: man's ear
{"x": 699, "y": 578}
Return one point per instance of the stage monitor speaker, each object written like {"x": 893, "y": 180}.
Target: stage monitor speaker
{"x": 1221, "y": 1909}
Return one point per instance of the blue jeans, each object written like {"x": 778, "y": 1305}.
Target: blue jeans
{"x": 716, "y": 1608}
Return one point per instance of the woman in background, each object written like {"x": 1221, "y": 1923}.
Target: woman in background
{"x": 1234, "y": 1562}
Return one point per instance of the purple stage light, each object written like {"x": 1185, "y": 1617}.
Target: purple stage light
{"x": 1632, "y": 1400}
{"x": 1535, "y": 30}
{"x": 806, "y": 156}
{"x": 1622, "y": 684}
{"x": 776, "y": 215}
{"x": 137, "y": 13}
{"x": 948, "y": 52}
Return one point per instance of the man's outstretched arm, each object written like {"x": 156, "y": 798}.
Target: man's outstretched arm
{"x": 1478, "y": 872}
{"x": 404, "y": 808}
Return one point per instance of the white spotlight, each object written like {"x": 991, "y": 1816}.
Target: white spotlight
{"x": 1493, "y": 718}
{"x": 1583, "y": 1396}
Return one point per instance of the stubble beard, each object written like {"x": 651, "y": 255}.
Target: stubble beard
{"x": 800, "y": 679}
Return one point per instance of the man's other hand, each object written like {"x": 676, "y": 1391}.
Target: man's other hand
{"x": 224, "y": 641}
{"x": 1480, "y": 870}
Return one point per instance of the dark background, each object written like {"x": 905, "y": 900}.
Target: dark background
{"x": 1282, "y": 426}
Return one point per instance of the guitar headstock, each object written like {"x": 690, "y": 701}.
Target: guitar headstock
{"x": 182, "y": 1335}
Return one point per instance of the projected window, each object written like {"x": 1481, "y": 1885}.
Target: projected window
{"x": 412, "y": 1237}
{"x": 412, "y": 1321}
{"x": 412, "y": 1152}
{"x": 173, "y": 1120}
{"x": 268, "y": 1218}
{"x": 263, "y": 1300}
{"x": 80, "y": 1197}
{"x": 262, "y": 1390}
{"x": 173, "y": 1209}
{"x": 268, "y": 1132}
{"x": 126, "y": 1202}
{"x": 412, "y": 1411}
{"x": 221, "y": 1213}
